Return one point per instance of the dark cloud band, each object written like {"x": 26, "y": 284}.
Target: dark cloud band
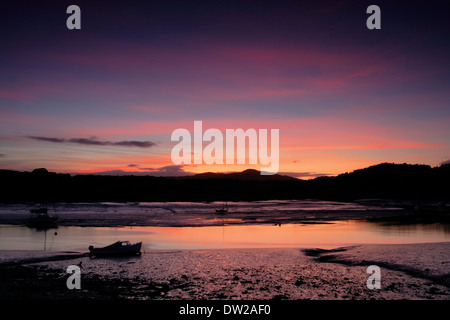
{"x": 94, "y": 142}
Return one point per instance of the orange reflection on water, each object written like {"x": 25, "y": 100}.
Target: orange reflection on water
{"x": 323, "y": 235}
{"x": 326, "y": 235}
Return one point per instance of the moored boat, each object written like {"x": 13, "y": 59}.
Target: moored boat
{"x": 40, "y": 219}
{"x": 224, "y": 209}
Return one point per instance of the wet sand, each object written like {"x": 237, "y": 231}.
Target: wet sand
{"x": 410, "y": 271}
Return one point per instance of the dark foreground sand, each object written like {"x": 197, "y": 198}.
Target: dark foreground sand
{"x": 410, "y": 271}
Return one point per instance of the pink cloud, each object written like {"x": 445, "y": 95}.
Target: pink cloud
{"x": 235, "y": 63}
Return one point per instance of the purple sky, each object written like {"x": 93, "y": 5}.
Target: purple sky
{"x": 109, "y": 95}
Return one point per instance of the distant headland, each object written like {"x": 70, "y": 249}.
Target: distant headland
{"x": 385, "y": 180}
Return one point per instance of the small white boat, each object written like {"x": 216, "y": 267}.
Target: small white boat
{"x": 119, "y": 248}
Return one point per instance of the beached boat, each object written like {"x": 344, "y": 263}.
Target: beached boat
{"x": 119, "y": 248}
{"x": 40, "y": 219}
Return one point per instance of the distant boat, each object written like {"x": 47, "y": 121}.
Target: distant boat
{"x": 119, "y": 248}
{"x": 40, "y": 219}
{"x": 223, "y": 210}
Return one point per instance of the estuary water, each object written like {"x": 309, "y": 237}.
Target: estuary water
{"x": 328, "y": 235}
{"x": 258, "y": 224}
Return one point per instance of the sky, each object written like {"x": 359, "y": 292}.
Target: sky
{"x": 107, "y": 97}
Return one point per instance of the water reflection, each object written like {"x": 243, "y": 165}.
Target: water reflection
{"x": 325, "y": 235}
{"x": 408, "y": 228}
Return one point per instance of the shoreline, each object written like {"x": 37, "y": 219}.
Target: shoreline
{"x": 196, "y": 214}
{"x": 408, "y": 271}
{"x": 212, "y": 219}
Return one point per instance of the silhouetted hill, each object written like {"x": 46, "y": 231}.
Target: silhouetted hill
{"x": 386, "y": 180}
{"x": 249, "y": 175}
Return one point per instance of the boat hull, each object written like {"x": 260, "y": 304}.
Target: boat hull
{"x": 116, "y": 249}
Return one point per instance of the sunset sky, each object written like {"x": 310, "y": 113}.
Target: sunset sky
{"x": 106, "y": 98}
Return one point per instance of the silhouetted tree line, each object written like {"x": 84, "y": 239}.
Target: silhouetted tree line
{"x": 393, "y": 181}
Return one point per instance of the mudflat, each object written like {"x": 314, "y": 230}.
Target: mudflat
{"x": 408, "y": 271}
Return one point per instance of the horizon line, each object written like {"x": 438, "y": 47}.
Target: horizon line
{"x": 180, "y": 174}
